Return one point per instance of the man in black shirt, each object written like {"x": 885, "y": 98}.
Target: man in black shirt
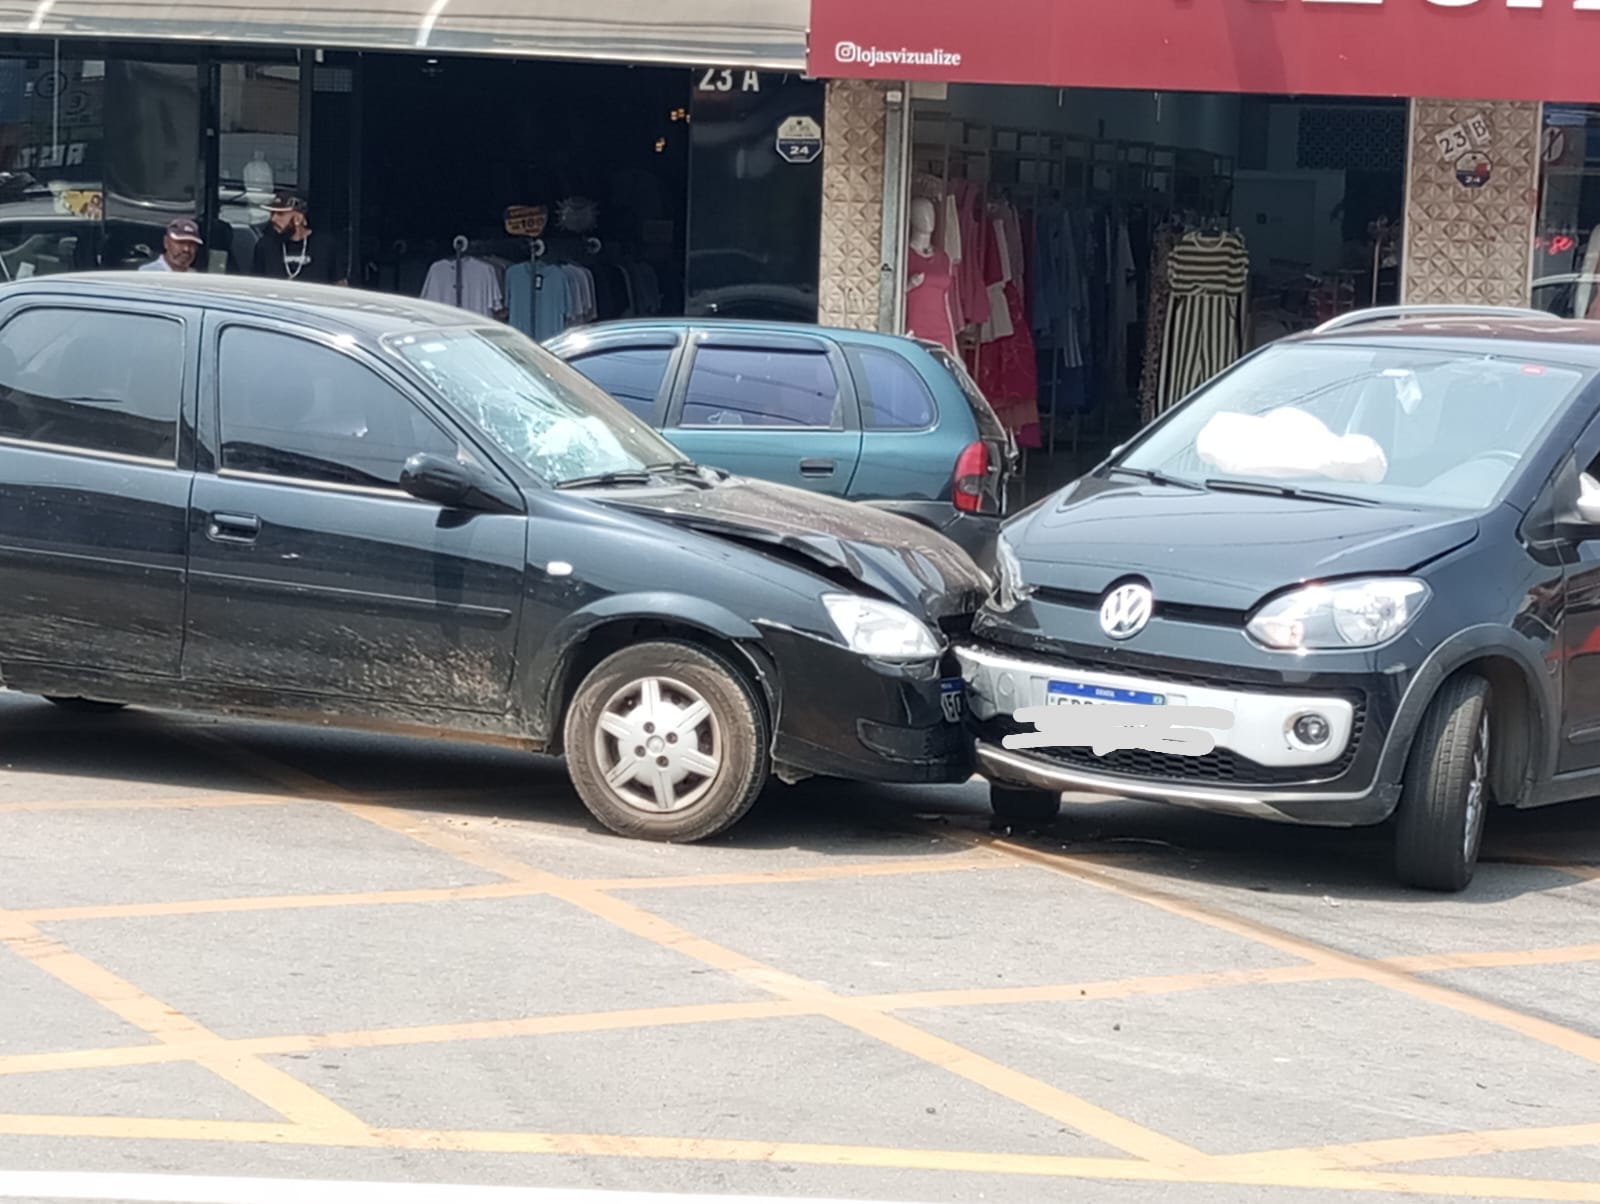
{"x": 290, "y": 251}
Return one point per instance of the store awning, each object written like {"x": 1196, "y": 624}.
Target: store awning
{"x": 768, "y": 34}
{"x": 1450, "y": 49}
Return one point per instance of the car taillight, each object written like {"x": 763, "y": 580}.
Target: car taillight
{"x": 972, "y": 470}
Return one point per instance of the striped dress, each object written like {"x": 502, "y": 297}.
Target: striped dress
{"x": 1208, "y": 274}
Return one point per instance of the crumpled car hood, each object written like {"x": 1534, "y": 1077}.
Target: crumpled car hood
{"x": 888, "y": 554}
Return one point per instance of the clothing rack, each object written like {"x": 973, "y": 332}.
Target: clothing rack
{"x": 1143, "y": 182}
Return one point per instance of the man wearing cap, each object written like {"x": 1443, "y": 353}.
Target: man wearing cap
{"x": 178, "y": 249}
{"x": 290, "y": 251}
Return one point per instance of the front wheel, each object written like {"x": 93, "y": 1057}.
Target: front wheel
{"x": 667, "y": 741}
{"x": 1446, "y": 796}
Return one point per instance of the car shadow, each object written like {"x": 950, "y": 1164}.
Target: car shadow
{"x": 1524, "y": 852}
{"x": 157, "y": 750}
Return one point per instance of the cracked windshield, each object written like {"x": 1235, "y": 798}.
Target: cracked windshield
{"x": 800, "y": 602}
{"x": 549, "y": 419}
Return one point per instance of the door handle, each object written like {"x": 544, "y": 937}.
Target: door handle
{"x": 816, "y": 468}
{"x": 233, "y": 528}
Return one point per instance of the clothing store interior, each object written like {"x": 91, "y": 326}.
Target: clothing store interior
{"x": 1096, "y": 255}
{"x": 544, "y": 193}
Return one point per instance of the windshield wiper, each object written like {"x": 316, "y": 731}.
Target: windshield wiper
{"x": 1222, "y": 485}
{"x": 684, "y": 470}
{"x": 1154, "y": 477}
{"x": 632, "y": 476}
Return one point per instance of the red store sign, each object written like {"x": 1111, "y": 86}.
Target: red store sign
{"x": 1466, "y": 49}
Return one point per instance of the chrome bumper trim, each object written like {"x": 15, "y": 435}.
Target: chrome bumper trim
{"x": 999, "y": 684}
{"x": 1003, "y": 765}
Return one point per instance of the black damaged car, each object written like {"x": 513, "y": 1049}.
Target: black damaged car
{"x": 1373, "y": 550}
{"x": 345, "y": 508}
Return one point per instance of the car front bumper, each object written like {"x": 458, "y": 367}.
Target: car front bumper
{"x": 1256, "y": 767}
{"x": 841, "y": 715}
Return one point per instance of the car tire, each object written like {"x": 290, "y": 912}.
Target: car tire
{"x": 651, "y": 697}
{"x": 1445, "y": 800}
{"x": 88, "y": 706}
{"x": 1024, "y": 806}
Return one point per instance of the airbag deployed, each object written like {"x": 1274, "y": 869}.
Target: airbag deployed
{"x": 1287, "y": 442}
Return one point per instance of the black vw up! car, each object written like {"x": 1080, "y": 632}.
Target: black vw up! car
{"x": 1373, "y": 549}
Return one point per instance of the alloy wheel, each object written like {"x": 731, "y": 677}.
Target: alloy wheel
{"x": 658, "y": 745}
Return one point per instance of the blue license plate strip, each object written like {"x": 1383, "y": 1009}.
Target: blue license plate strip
{"x": 1073, "y": 693}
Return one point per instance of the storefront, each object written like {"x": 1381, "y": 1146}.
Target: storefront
{"x": 1109, "y": 200}
{"x": 669, "y": 166}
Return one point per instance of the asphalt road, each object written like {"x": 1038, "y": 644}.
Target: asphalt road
{"x": 251, "y": 952}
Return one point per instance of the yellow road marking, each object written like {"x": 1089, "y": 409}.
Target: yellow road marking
{"x": 198, "y": 907}
{"x": 277, "y": 1090}
{"x": 204, "y": 802}
{"x": 1556, "y": 1036}
{"x": 1032, "y": 1093}
{"x": 1424, "y": 963}
{"x": 630, "y": 1018}
{"x": 733, "y": 1150}
{"x": 1364, "y": 1154}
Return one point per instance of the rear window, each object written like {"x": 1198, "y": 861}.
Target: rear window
{"x": 894, "y": 397}
{"x": 989, "y": 424}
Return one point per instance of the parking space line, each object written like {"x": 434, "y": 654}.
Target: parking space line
{"x": 1360, "y": 1155}
{"x": 201, "y": 802}
{"x": 1070, "y": 1110}
{"x": 1153, "y": 1155}
{"x": 1116, "y": 988}
{"x": 200, "y": 907}
{"x": 736, "y": 1151}
{"x": 1383, "y": 974}
{"x": 1424, "y": 963}
{"x": 282, "y": 1092}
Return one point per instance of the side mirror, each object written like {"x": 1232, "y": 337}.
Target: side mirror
{"x": 1589, "y": 508}
{"x": 454, "y": 485}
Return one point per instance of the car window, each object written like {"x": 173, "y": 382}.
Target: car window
{"x": 94, "y": 381}
{"x": 1406, "y": 426}
{"x": 632, "y": 375}
{"x": 293, "y": 408}
{"x": 736, "y": 386}
{"x": 894, "y": 397}
{"x": 989, "y": 424}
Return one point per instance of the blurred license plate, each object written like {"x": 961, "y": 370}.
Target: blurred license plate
{"x": 1077, "y": 694}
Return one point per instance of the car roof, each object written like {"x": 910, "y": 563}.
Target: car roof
{"x": 747, "y": 326}
{"x": 1569, "y": 339}
{"x": 345, "y": 309}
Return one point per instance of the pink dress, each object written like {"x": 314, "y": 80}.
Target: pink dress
{"x": 928, "y": 314}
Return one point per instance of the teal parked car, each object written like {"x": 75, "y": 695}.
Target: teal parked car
{"x": 887, "y": 420}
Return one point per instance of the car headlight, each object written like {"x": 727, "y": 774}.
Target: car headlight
{"x": 880, "y": 630}
{"x": 1010, "y": 591}
{"x": 1344, "y": 614}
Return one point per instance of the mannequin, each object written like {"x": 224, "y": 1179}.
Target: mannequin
{"x": 929, "y": 280}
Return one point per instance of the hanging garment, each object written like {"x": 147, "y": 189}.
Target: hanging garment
{"x": 1208, "y": 276}
{"x": 928, "y": 289}
{"x": 480, "y": 287}
{"x": 1008, "y": 370}
{"x": 1161, "y": 245}
{"x": 975, "y": 260}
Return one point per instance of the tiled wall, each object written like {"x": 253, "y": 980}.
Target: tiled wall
{"x": 852, "y": 204}
{"x": 1471, "y": 245}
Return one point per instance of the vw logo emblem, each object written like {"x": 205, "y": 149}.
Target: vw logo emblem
{"x": 1126, "y": 610}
